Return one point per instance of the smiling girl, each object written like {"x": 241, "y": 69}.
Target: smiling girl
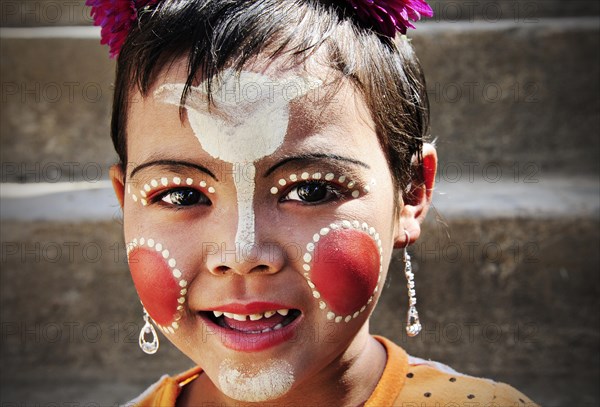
{"x": 271, "y": 159}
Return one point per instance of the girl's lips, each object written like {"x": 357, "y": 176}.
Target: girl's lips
{"x": 252, "y": 327}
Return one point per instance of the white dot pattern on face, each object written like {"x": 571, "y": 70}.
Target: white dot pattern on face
{"x": 346, "y": 224}
{"x": 137, "y": 243}
{"x": 164, "y": 181}
{"x": 351, "y": 185}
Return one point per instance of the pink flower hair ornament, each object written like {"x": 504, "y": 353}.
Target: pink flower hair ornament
{"x": 389, "y": 16}
{"x": 116, "y": 17}
{"x": 385, "y": 17}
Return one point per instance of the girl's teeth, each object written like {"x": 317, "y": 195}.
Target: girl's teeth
{"x": 252, "y": 317}
{"x": 278, "y": 326}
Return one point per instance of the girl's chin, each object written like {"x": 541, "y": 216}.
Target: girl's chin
{"x": 262, "y": 381}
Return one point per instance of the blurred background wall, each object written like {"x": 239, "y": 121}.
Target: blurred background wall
{"x": 507, "y": 269}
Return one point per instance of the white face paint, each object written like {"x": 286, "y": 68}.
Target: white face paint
{"x": 249, "y": 121}
{"x": 255, "y": 383}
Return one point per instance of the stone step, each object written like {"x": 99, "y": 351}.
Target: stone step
{"x": 503, "y": 96}
{"x": 35, "y": 13}
{"x": 44, "y": 13}
{"x": 56, "y": 101}
{"x": 527, "y": 11}
{"x": 506, "y": 274}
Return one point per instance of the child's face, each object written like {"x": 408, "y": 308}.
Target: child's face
{"x": 281, "y": 200}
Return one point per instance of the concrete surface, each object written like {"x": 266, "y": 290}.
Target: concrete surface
{"x": 55, "y": 116}
{"x": 520, "y": 96}
{"x": 491, "y": 86}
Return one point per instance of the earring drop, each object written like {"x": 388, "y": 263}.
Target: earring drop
{"x": 413, "y": 325}
{"x": 149, "y": 347}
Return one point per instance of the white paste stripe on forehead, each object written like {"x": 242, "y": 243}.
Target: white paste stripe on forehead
{"x": 351, "y": 185}
{"x": 243, "y": 130}
{"x": 307, "y": 257}
{"x": 164, "y": 181}
{"x": 176, "y": 273}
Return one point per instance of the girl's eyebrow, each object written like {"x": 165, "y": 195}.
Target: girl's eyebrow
{"x": 172, "y": 164}
{"x": 315, "y": 156}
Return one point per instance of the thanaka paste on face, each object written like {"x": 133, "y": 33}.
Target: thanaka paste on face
{"x": 240, "y": 128}
{"x": 159, "y": 283}
{"x": 162, "y": 182}
{"x": 343, "y": 266}
{"x": 256, "y": 383}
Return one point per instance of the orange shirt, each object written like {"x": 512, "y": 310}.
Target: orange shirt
{"x": 406, "y": 382}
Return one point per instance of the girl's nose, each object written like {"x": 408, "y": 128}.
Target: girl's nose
{"x": 261, "y": 257}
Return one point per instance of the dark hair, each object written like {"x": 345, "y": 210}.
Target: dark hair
{"x": 216, "y": 34}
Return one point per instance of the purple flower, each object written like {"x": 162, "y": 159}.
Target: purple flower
{"x": 115, "y": 17}
{"x": 386, "y": 16}
{"x": 389, "y": 16}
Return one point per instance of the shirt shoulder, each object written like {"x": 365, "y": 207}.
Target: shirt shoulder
{"x": 431, "y": 383}
{"x": 165, "y": 391}
{"x": 413, "y": 382}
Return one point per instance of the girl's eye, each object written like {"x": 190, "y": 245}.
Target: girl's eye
{"x": 184, "y": 197}
{"x": 313, "y": 192}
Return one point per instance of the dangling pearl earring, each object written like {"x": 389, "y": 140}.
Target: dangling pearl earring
{"x": 413, "y": 325}
{"x": 152, "y": 346}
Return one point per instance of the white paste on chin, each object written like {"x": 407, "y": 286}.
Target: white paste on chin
{"x": 256, "y": 382}
{"x": 248, "y": 122}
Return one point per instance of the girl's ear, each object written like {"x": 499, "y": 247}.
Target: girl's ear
{"x": 416, "y": 201}
{"x": 117, "y": 177}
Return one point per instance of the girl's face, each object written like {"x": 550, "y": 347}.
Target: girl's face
{"x": 260, "y": 232}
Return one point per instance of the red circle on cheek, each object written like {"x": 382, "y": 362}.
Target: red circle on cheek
{"x": 155, "y": 284}
{"x": 345, "y": 269}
